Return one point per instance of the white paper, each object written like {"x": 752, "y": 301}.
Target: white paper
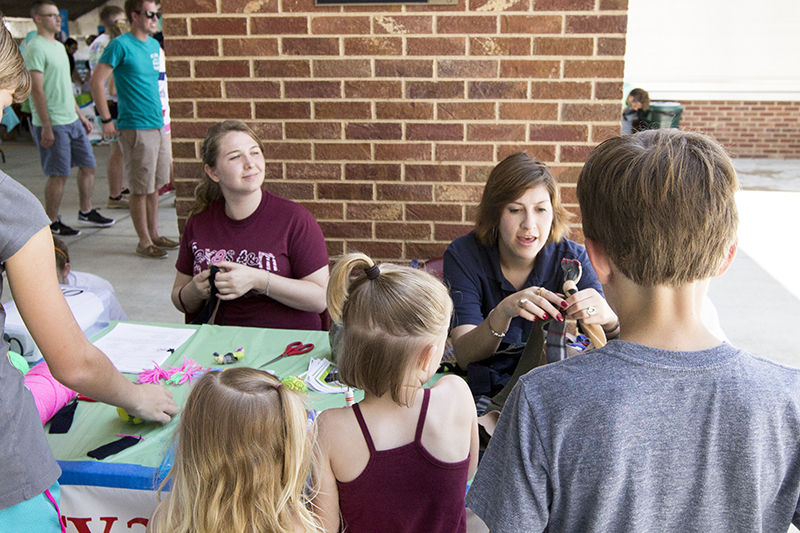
{"x": 136, "y": 347}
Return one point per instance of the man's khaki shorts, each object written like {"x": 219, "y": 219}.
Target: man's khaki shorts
{"x": 146, "y": 159}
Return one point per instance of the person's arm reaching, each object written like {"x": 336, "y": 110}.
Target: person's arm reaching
{"x": 72, "y": 359}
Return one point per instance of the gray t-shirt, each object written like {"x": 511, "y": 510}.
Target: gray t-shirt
{"x": 631, "y": 438}
{"x": 27, "y": 466}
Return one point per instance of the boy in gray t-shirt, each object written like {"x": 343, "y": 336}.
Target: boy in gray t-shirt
{"x": 667, "y": 428}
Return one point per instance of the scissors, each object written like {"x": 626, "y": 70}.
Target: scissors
{"x": 294, "y": 348}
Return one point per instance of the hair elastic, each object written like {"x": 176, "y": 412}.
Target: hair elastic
{"x": 372, "y": 272}
{"x": 59, "y": 250}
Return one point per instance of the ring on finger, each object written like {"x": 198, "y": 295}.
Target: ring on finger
{"x": 522, "y": 302}
{"x": 539, "y": 292}
{"x": 591, "y": 310}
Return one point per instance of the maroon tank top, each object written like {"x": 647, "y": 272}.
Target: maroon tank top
{"x": 405, "y": 489}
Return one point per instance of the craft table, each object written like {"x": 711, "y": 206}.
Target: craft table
{"x": 117, "y": 494}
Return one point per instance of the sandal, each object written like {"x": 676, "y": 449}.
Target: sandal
{"x": 152, "y": 252}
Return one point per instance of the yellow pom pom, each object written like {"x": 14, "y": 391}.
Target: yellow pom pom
{"x": 123, "y": 414}
{"x": 294, "y": 383}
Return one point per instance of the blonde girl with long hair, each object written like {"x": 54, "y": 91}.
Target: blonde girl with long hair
{"x": 242, "y": 458}
{"x": 399, "y": 460}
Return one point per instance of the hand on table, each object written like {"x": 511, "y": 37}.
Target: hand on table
{"x": 234, "y": 280}
{"x": 155, "y": 404}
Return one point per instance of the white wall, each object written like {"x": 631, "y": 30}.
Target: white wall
{"x": 714, "y": 49}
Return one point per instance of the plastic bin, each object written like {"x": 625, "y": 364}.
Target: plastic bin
{"x": 665, "y": 115}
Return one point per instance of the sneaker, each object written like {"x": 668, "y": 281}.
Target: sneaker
{"x": 163, "y": 242}
{"x": 165, "y": 189}
{"x": 120, "y": 202}
{"x": 126, "y": 191}
{"x": 93, "y": 218}
{"x": 152, "y": 252}
{"x": 59, "y": 228}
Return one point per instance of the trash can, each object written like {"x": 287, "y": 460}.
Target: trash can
{"x": 665, "y": 115}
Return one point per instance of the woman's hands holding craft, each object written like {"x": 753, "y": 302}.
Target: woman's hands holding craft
{"x": 201, "y": 284}
{"x": 590, "y": 307}
{"x": 235, "y": 280}
{"x": 538, "y": 303}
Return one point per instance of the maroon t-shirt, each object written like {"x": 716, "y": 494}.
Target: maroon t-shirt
{"x": 280, "y": 236}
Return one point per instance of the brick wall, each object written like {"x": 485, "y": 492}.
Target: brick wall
{"x": 748, "y": 129}
{"x": 384, "y": 120}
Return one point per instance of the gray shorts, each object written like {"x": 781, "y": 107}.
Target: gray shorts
{"x": 70, "y": 149}
{"x": 146, "y": 159}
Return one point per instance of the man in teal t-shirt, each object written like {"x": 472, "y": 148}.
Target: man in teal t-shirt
{"x": 146, "y": 158}
{"x": 59, "y": 128}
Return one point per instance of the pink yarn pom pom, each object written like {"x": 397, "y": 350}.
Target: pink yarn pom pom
{"x": 154, "y": 375}
{"x": 48, "y": 394}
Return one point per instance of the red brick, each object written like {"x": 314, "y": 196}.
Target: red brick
{"x": 282, "y": 109}
{"x": 477, "y": 174}
{"x": 181, "y": 110}
{"x": 601, "y": 133}
{"x": 278, "y": 25}
{"x": 575, "y": 68}
{"x": 433, "y": 212}
{"x": 571, "y": 153}
{"x": 614, "y": 5}
{"x": 529, "y": 68}
{"x": 596, "y": 23}
{"x": 589, "y": 112}
{"x": 313, "y": 130}
{"x": 223, "y": 109}
{"x": 249, "y": 6}
{"x": 403, "y": 110}
{"x": 343, "y": 110}
{"x": 497, "y": 89}
{"x": 335, "y": 248}
{"x": 496, "y": 132}
{"x": 347, "y": 230}
{"x": 611, "y": 46}
{"x": 191, "y": 47}
{"x": 452, "y": 192}
{"x": 499, "y": 46}
{"x": 530, "y": 24}
{"x": 193, "y": 169}
{"x": 175, "y": 26}
{"x": 341, "y": 151}
{"x": 372, "y": 89}
{"x": 402, "y": 25}
{"x": 564, "y": 5}
{"x": 403, "y": 152}
{"x": 404, "y": 193}
{"x": 374, "y": 131}
{"x": 466, "y": 110}
{"x": 293, "y": 191}
{"x": 182, "y": 129}
{"x": 178, "y": 69}
{"x": 374, "y": 211}
{"x": 402, "y": 230}
{"x": 345, "y": 191}
{"x": 281, "y": 68}
{"x": 310, "y": 46}
{"x": 249, "y": 47}
{"x": 372, "y": 172}
{"x": 566, "y": 175}
{"x": 470, "y": 212}
{"x": 312, "y": 89}
{"x": 563, "y": 46}
{"x": 448, "y": 232}
{"x": 404, "y": 68}
{"x": 469, "y": 25}
{"x": 342, "y": 68}
{"x": 377, "y": 250}
{"x": 464, "y": 152}
{"x": 558, "y": 132}
{"x": 267, "y": 131}
{"x": 325, "y": 210}
{"x": 194, "y": 89}
{"x": 304, "y": 6}
{"x": 433, "y": 173}
{"x": 337, "y": 25}
{"x": 366, "y": 8}
{"x": 222, "y": 69}
{"x": 419, "y": 250}
{"x": 542, "y": 152}
{"x": 528, "y": 111}
{"x": 186, "y": 150}
{"x": 436, "y": 46}
{"x": 277, "y": 151}
{"x": 435, "y": 132}
{"x": 467, "y": 68}
{"x": 252, "y": 89}
{"x": 373, "y": 46}
{"x": 435, "y": 89}
{"x": 608, "y": 90}
{"x": 219, "y": 26}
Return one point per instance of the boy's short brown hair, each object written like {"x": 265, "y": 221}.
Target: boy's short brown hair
{"x": 662, "y": 205}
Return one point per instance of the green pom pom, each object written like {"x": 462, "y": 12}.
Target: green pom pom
{"x": 295, "y": 383}
{"x": 18, "y": 361}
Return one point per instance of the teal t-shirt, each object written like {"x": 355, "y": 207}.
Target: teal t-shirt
{"x": 50, "y": 58}
{"x": 135, "y": 65}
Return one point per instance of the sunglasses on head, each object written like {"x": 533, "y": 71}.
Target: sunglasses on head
{"x": 150, "y": 14}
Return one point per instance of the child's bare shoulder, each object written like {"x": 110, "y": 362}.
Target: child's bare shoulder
{"x": 452, "y": 393}
{"x": 332, "y": 422}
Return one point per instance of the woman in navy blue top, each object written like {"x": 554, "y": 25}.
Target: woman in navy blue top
{"x": 506, "y": 273}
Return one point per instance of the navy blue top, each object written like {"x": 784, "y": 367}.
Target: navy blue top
{"x": 477, "y": 285}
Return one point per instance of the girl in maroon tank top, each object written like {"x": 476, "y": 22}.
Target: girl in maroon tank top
{"x": 399, "y": 460}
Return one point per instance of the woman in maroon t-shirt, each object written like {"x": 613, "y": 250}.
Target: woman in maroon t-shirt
{"x": 270, "y": 252}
